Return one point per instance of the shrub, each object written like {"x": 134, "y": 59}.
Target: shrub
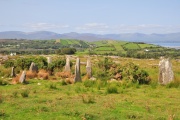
{"x": 112, "y": 88}
{"x": 30, "y": 75}
{"x": 3, "y": 82}
{"x": 9, "y": 63}
{"x": 6, "y": 72}
{"x": 58, "y": 64}
{"x": 42, "y": 74}
{"x": 16, "y": 79}
{"x": 24, "y": 63}
{"x": 68, "y": 51}
{"x": 141, "y": 76}
{"x": 63, "y": 74}
{"x": 25, "y": 93}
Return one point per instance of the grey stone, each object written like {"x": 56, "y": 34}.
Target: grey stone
{"x": 88, "y": 68}
{"x": 49, "y": 60}
{"x": 33, "y": 67}
{"x": 22, "y": 78}
{"x": 166, "y": 74}
{"x": 13, "y": 72}
{"x": 77, "y": 77}
{"x": 67, "y": 66}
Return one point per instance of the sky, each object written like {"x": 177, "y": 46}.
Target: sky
{"x": 91, "y": 16}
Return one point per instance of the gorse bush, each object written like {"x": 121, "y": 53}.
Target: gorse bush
{"x": 9, "y": 63}
{"x": 57, "y": 64}
{"x": 141, "y": 76}
{"x": 5, "y": 72}
{"x": 24, "y": 63}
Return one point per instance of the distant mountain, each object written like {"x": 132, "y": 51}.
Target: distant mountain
{"x": 133, "y": 37}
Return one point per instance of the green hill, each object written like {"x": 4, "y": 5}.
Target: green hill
{"x": 103, "y": 47}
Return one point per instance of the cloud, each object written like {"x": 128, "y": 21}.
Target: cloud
{"x": 147, "y": 28}
{"x": 93, "y": 26}
{"x": 142, "y": 28}
{"x": 45, "y": 26}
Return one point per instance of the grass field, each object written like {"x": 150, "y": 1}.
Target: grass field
{"x": 93, "y": 100}
{"x": 131, "y": 46}
{"x": 146, "y": 45}
{"x": 105, "y": 49}
{"x": 52, "y": 100}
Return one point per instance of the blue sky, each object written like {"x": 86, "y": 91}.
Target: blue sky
{"x": 91, "y": 16}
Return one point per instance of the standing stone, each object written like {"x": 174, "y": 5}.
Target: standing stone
{"x": 49, "y": 60}
{"x": 67, "y": 66}
{"x": 166, "y": 74}
{"x": 88, "y": 68}
{"x": 13, "y": 72}
{"x": 77, "y": 71}
{"x": 22, "y": 79}
{"x": 33, "y": 67}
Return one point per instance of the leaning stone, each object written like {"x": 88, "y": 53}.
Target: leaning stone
{"x": 166, "y": 74}
{"x": 13, "y": 72}
{"x": 67, "y": 66}
{"x": 88, "y": 68}
{"x": 33, "y": 67}
{"x": 77, "y": 77}
{"x": 22, "y": 78}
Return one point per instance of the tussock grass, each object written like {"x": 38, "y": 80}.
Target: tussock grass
{"x": 25, "y": 93}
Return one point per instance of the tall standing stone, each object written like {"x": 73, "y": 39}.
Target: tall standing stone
{"x": 166, "y": 74}
{"x": 67, "y": 66}
{"x": 33, "y": 67}
{"x": 88, "y": 68}
{"x": 77, "y": 71}
{"x": 49, "y": 60}
{"x": 22, "y": 78}
{"x": 13, "y": 72}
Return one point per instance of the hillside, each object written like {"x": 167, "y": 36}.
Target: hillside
{"x": 133, "y": 37}
{"x": 103, "y": 47}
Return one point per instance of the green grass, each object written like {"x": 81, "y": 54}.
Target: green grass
{"x": 64, "y": 42}
{"x": 86, "y": 100}
{"x": 131, "y": 46}
{"x": 93, "y": 100}
{"x": 105, "y": 49}
{"x": 146, "y": 46}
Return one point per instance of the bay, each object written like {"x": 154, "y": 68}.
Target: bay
{"x": 171, "y": 45}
